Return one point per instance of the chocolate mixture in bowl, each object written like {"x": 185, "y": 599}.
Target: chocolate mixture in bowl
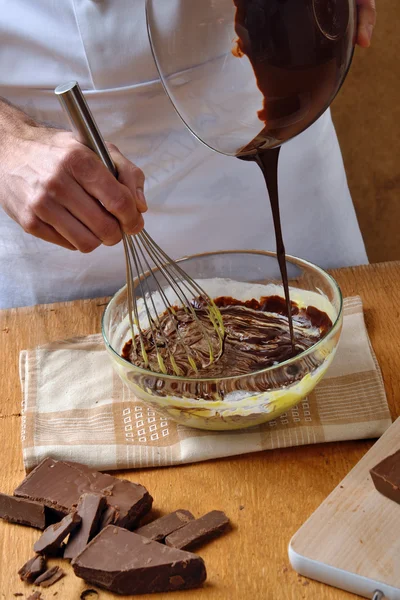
{"x": 257, "y": 336}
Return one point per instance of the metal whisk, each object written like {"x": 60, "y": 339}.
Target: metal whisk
{"x": 151, "y": 265}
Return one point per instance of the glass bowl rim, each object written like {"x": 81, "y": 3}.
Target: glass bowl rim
{"x": 290, "y": 361}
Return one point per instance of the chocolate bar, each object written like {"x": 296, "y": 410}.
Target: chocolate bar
{"x": 32, "y": 569}
{"x": 126, "y": 563}
{"x": 109, "y": 517}
{"x": 199, "y": 531}
{"x": 90, "y": 508}
{"x": 386, "y": 477}
{"x": 59, "y": 485}
{"x": 23, "y": 512}
{"x": 52, "y": 537}
{"x": 49, "y": 577}
{"x": 159, "y": 529}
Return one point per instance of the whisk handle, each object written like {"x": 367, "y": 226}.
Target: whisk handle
{"x": 82, "y": 122}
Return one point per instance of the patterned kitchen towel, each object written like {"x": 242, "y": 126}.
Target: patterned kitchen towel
{"x": 76, "y": 408}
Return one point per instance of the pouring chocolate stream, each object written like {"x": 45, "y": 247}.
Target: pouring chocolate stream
{"x": 299, "y": 52}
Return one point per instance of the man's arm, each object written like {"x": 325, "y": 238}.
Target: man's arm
{"x": 59, "y": 190}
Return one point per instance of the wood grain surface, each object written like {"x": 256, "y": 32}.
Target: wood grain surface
{"x": 267, "y": 495}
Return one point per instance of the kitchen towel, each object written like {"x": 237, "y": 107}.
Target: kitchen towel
{"x": 76, "y": 408}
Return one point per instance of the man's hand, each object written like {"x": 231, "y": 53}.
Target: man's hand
{"x": 366, "y": 22}
{"x": 59, "y": 190}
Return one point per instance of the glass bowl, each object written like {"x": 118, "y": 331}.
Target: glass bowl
{"x": 234, "y": 402}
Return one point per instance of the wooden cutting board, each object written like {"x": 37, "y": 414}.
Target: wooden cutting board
{"x": 352, "y": 541}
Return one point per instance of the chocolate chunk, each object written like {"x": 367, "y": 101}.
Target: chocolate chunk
{"x": 59, "y": 485}
{"x": 159, "y": 529}
{"x": 32, "y": 569}
{"x": 50, "y": 577}
{"x": 109, "y": 517}
{"x": 90, "y": 508}
{"x": 386, "y": 477}
{"x": 52, "y": 537}
{"x": 35, "y": 596}
{"x": 126, "y": 563}
{"x": 21, "y": 511}
{"x": 199, "y": 531}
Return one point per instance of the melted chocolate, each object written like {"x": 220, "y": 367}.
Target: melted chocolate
{"x": 300, "y": 51}
{"x": 256, "y": 336}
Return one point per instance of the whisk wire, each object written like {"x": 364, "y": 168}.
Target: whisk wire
{"x": 187, "y": 303}
{"x": 129, "y": 280}
{"x": 172, "y": 284}
{"x": 140, "y": 279}
{"x": 184, "y": 278}
{"x": 170, "y": 310}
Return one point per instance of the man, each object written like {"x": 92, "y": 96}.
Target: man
{"x": 57, "y": 191}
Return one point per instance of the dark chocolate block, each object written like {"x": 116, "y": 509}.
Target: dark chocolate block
{"x": 52, "y": 537}
{"x": 126, "y": 563}
{"x": 21, "y": 511}
{"x": 159, "y": 529}
{"x": 50, "y": 577}
{"x": 386, "y": 477}
{"x": 90, "y": 508}
{"x": 59, "y": 485}
{"x": 32, "y": 569}
{"x": 199, "y": 531}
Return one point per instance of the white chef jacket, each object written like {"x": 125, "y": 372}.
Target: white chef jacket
{"x": 198, "y": 200}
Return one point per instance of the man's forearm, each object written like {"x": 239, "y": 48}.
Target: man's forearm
{"x": 13, "y": 122}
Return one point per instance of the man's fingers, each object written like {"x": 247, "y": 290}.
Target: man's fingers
{"x": 99, "y": 183}
{"x": 366, "y": 22}
{"x": 39, "y": 229}
{"x": 92, "y": 214}
{"x": 70, "y": 228}
{"x": 131, "y": 176}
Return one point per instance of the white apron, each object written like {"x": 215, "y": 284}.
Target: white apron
{"x": 198, "y": 200}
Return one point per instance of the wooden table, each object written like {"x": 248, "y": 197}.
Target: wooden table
{"x": 267, "y": 495}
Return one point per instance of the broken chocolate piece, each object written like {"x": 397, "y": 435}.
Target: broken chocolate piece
{"x": 52, "y": 537}
{"x": 386, "y": 477}
{"x": 35, "y": 596}
{"x": 21, "y": 511}
{"x": 90, "y": 508}
{"x": 109, "y": 517}
{"x": 50, "y": 577}
{"x": 32, "y": 569}
{"x": 59, "y": 485}
{"x": 159, "y": 529}
{"x": 199, "y": 531}
{"x": 126, "y": 563}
